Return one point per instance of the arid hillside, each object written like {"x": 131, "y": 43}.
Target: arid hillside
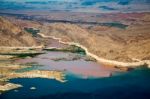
{"x": 126, "y": 45}
{"x": 109, "y": 41}
{"x": 12, "y": 35}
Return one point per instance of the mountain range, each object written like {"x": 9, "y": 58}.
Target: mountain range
{"x": 77, "y": 5}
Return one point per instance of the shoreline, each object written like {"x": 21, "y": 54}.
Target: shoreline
{"x": 101, "y": 60}
{"x": 9, "y": 86}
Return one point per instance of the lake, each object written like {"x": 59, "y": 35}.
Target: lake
{"x": 84, "y": 80}
{"x": 129, "y": 85}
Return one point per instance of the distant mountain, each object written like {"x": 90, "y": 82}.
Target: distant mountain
{"x": 77, "y": 5}
{"x": 12, "y": 35}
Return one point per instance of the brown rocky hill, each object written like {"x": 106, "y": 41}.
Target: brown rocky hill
{"x": 126, "y": 45}
{"x": 13, "y": 36}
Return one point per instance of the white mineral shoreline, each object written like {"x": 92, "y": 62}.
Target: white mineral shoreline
{"x": 102, "y": 60}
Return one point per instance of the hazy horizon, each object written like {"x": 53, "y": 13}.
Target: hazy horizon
{"x": 77, "y": 5}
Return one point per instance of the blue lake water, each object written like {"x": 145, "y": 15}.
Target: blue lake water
{"x": 129, "y": 85}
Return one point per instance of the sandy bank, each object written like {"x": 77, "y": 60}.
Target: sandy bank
{"x": 9, "y": 86}
{"x": 19, "y": 47}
